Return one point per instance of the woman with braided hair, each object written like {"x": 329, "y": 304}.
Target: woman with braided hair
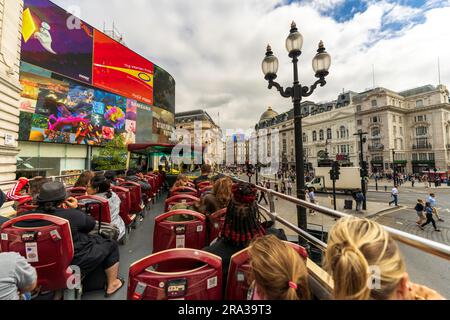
{"x": 242, "y": 225}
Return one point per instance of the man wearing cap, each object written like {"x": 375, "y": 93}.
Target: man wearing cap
{"x": 90, "y": 251}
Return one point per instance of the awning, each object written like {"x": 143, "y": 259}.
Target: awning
{"x": 162, "y": 149}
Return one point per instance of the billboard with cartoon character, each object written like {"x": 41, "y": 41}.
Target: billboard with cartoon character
{"x": 82, "y": 87}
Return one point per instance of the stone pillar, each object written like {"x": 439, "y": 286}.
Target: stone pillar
{"x": 10, "y": 42}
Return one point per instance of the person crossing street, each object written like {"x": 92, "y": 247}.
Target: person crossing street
{"x": 394, "y": 194}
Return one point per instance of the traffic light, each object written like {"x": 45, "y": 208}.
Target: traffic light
{"x": 364, "y": 169}
{"x": 335, "y": 171}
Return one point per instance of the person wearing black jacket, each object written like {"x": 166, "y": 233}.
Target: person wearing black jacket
{"x": 90, "y": 251}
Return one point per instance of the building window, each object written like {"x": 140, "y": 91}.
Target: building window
{"x": 374, "y": 103}
{"x": 284, "y": 146}
{"x": 375, "y": 132}
{"x": 321, "y": 135}
{"x": 358, "y": 108}
{"x": 314, "y": 136}
{"x": 394, "y": 118}
{"x": 401, "y": 131}
{"x": 419, "y": 103}
{"x": 375, "y": 120}
{"x": 343, "y": 131}
{"x": 421, "y": 131}
{"x": 329, "y": 134}
{"x": 395, "y": 130}
{"x": 415, "y": 157}
{"x": 431, "y": 157}
{"x": 359, "y": 122}
{"x": 423, "y": 157}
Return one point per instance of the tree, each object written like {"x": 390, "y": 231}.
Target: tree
{"x": 113, "y": 156}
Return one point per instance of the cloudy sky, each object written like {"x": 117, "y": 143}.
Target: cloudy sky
{"x": 214, "y": 48}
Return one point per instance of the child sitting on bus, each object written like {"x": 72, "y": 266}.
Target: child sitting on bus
{"x": 366, "y": 264}
{"x": 277, "y": 270}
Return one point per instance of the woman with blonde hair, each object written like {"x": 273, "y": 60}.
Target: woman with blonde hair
{"x": 277, "y": 270}
{"x": 365, "y": 263}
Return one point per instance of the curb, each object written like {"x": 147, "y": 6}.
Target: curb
{"x": 386, "y": 211}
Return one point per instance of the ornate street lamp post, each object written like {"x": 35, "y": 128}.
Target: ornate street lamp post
{"x": 321, "y": 64}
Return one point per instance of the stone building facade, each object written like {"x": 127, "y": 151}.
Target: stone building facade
{"x": 10, "y": 42}
{"x": 410, "y": 129}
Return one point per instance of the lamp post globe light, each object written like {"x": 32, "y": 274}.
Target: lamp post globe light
{"x": 321, "y": 65}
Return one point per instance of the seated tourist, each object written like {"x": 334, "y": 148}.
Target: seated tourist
{"x": 90, "y": 251}
{"x": 218, "y": 199}
{"x": 366, "y": 264}
{"x": 26, "y": 189}
{"x": 111, "y": 176}
{"x": 242, "y": 225}
{"x": 134, "y": 176}
{"x": 101, "y": 187}
{"x": 205, "y": 172}
{"x": 84, "y": 179}
{"x": 277, "y": 270}
{"x": 17, "y": 276}
{"x": 182, "y": 181}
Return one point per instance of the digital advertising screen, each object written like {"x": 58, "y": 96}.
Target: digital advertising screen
{"x": 54, "y": 40}
{"x": 120, "y": 70}
{"x": 164, "y": 90}
{"x": 80, "y": 86}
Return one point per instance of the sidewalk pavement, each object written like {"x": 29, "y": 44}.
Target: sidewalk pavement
{"x": 288, "y": 211}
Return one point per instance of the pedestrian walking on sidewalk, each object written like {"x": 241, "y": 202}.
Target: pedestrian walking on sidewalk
{"x": 312, "y": 199}
{"x": 413, "y": 181}
{"x": 359, "y": 197}
{"x": 262, "y": 194}
{"x": 429, "y": 213}
{"x": 420, "y": 208}
{"x": 394, "y": 194}
{"x": 432, "y": 200}
{"x": 289, "y": 188}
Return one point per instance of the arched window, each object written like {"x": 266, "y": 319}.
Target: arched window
{"x": 329, "y": 134}
{"x": 305, "y": 138}
{"x": 321, "y": 135}
{"x": 343, "y": 131}
{"x": 314, "y": 136}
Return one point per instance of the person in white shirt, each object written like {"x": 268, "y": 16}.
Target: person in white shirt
{"x": 312, "y": 199}
{"x": 394, "y": 194}
{"x": 432, "y": 200}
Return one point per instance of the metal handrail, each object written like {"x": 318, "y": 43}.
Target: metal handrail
{"x": 428, "y": 246}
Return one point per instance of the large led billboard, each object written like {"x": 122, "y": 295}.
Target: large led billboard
{"x": 82, "y": 87}
{"x": 50, "y": 41}
{"x": 120, "y": 70}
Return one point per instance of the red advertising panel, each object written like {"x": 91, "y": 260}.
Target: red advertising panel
{"x": 119, "y": 70}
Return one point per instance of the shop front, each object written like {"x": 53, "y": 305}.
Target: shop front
{"x": 401, "y": 166}
{"x": 420, "y": 166}
{"x": 377, "y": 167}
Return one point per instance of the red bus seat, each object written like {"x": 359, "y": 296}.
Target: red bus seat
{"x": 202, "y": 280}
{"x": 237, "y": 282}
{"x": 49, "y": 249}
{"x": 205, "y": 190}
{"x": 25, "y": 206}
{"x": 136, "y": 196}
{"x": 125, "y": 205}
{"x": 215, "y": 223}
{"x": 183, "y": 234}
{"x": 204, "y": 184}
{"x": 184, "y": 191}
{"x": 76, "y": 191}
{"x": 181, "y": 198}
{"x": 96, "y": 207}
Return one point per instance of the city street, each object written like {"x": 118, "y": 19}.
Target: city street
{"x": 423, "y": 268}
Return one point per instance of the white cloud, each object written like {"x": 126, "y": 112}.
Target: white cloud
{"x": 214, "y": 48}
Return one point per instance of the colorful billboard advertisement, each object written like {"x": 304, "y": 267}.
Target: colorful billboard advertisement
{"x": 164, "y": 90}
{"x": 65, "y": 111}
{"x": 118, "y": 69}
{"x": 55, "y": 40}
